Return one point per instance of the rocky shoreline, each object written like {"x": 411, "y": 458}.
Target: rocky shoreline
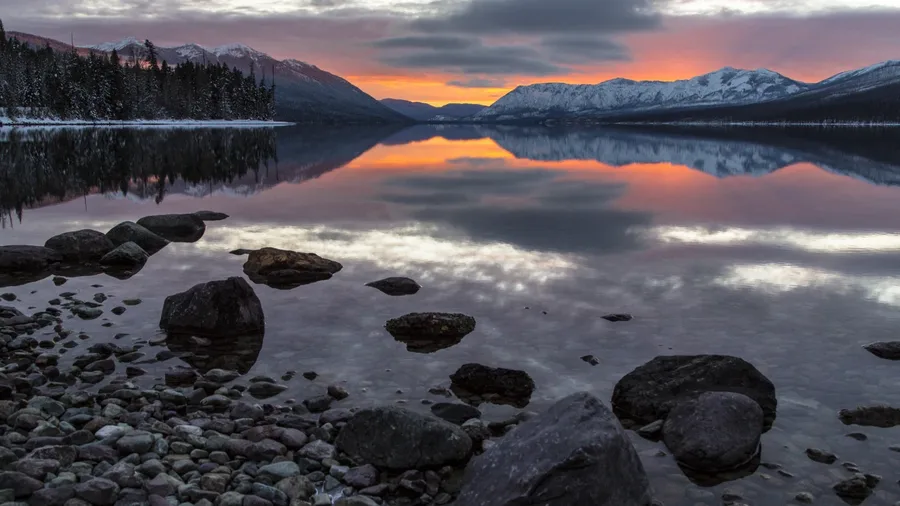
{"x": 80, "y": 434}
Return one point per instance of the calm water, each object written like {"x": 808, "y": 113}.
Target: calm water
{"x": 777, "y": 247}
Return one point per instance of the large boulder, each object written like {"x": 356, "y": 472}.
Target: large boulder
{"x": 175, "y": 227}
{"x": 430, "y": 332}
{"x": 649, "y": 392}
{"x": 81, "y": 245}
{"x": 127, "y": 255}
{"x": 872, "y": 416}
{"x": 889, "y": 350}
{"x": 476, "y": 383}
{"x": 287, "y": 269}
{"x": 575, "y": 453}
{"x": 395, "y": 438}
{"x": 714, "y": 432}
{"x": 129, "y": 231}
{"x": 26, "y": 259}
{"x": 218, "y": 308}
{"x": 395, "y": 286}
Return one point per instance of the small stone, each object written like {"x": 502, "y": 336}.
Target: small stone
{"x": 318, "y": 450}
{"x": 361, "y": 477}
{"x": 591, "y": 359}
{"x": 618, "y": 317}
{"x": 804, "y": 497}
{"x": 652, "y": 430}
{"x": 59, "y": 280}
{"x": 279, "y": 470}
{"x": 338, "y": 392}
{"x": 131, "y": 302}
{"x": 318, "y": 404}
{"x": 264, "y": 390}
{"x": 859, "y": 436}
{"x": 310, "y": 375}
{"x": 821, "y": 456}
{"x": 98, "y": 491}
{"x": 855, "y": 487}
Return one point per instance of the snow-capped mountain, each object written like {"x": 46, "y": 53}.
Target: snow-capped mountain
{"x": 724, "y": 86}
{"x": 303, "y": 93}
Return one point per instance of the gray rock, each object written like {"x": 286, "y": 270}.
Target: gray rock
{"x": 86, "y": 312}
{"x": 649, "y": 392}
{"x": 262, "y": 390}
{"x": 873, "y": 416}
{"x": 294, "y": 439}
{"x": 268, "y": 493}
{"x": 856, "y": 487}
{"x": 265, "y": 450}
{"x": 65, "y": 455}
{"x": 217, "y": 308}
{"x": 221, "y": 375}
{"x": 230, "y": 499}
{"x": 175, "y": 227}
{"x": 284, "y": 269}
{"x": 454, "y": 412}
{"x": 279, "y": 470}
{"x": 163, "y": 485}
{"x": 21, "y": 484}
{"x": 37, "y": 468}
{"x": 355, "y": 500}
{"x": 430, "y": 332}
{"x": 396, "y": 286}
{"x": 889, "y": 350}
{"x": 296, "y": 488}
{"x": 211, "y": 215}
{"x": 135, "y": 443}
{"x": 26, "y": 259}
{"x": 53, "y": 496}
{"x": 396, "y": 438}
{"x": 714, "y": 432}
{"x": 80, "y": 245}
{"x": 215, "y": 482}
{"x": 246, "y": 410}
{"x": 361, "y": 477}
{"x": 128, "y": 254}
{"x": 98, "y": 491}
{"x": 338, "y": 392}
{"x": 123, "y": 475}
{"x": 510, "y": 386}
{"x": 651, "y": 430}
{"x": 132, "y": 232}
{"x": 821, "y": 456}
{"x": 318, "y": 450}
{"x": 804, "y": 497}
{"x": 574, "y": 453}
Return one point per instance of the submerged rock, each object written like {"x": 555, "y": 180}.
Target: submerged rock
{"x": 288, "y": 269}
{"x": 873, "y": 416}
{"x": 129, "y": 231}
{"x": 649, "y": 392}
{"x": 714, "y": 432}
{"x": 475, "y": 383}
{"x": 394, "y": 438}
{"x": 218, "y": 308}
{"x": 175, "y": 227}
{"x": 576, "y": 453}
{"x": 821, "y": 456}
{"x": 396, "y": 286}
{"x": 855, "y": 489}
{"x": 128, "y": 254}
{"x": 211, "y": 216}
{"x": 81, "y": 245}
{"x": 618, "y": 317}
{"x": 430, "y": 332}
{"x": 889, "y": 350}
{"x": 455, "y": 413}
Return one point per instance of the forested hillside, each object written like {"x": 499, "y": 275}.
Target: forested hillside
{"x": 43, "y": 83}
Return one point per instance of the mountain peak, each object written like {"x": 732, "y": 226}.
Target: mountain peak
{"x": 118, "y": 46}
{"x": 236, "y": 50}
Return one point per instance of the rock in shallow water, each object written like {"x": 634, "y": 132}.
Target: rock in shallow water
{"x": 175, "y": 227}
{"x": 26, "y": 259}
{"x": 395, "y": 286}
{"x": 504, "y": 386}
{"x": 395, "y": 438}
{"x": 618, "y": 317}
{"x": 455, "y": 413}
{"x": 714, "y": 432}
{"x": 873, "y": 416}
{"x": 132, "y": 232}
{"x": 649, "y": 392}
{"x": 211, "y": 215}
{"x": 575, "y": 453}
{"x": 288, "y": 269}
{"x": 80, "y": 245}
{"x": 128, "y": 254}
{"x": 430, "y": 332}
{"x": 888, "y": 350}
{"x": 218, "y": 308}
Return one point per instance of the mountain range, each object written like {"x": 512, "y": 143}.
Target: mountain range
{"x": 421, "y": 111}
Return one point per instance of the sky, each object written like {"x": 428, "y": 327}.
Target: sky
{"x": 440, "y": 51}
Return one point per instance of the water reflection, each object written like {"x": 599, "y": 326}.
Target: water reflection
{"x": 231, "y": 353}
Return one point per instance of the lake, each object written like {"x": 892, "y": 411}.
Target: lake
{"x": 781, "y": 247}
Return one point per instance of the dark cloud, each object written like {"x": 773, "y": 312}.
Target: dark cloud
{"x": 480, "y": 59}
{"x": 478, "y": 82}
{"x": 584, "y": 49}
{"x": 519, "y": 17}
{"x": 437, "y": 42}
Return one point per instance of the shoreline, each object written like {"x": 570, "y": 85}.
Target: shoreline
{"x": 52, "y": 123}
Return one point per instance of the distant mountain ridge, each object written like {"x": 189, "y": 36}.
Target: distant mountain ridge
{"x": 701, "y": 98}
{"x": 421, "y": 111}
{"x": 304, "y": 92}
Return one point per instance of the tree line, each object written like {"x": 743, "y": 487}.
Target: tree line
{"x": 41, "y": 82}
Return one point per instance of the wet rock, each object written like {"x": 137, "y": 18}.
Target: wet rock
{"x": 27, "y": 259}
{"x": 175, "y": 227}
{"x": 240, "y": 252}
{"x": 873, "y": 416}
{"x": 287, "y": 269}
{"x": 128, "y": 254}
{"x": 338, "y": 392}
{"x": 618, "y": 317}
{"x": 9, "y": 297}
{"x": 221, "y": 375}
{"x": 454, "y": 412}
{"x": 887, "y": 350}
{"x": 318, "y": 450}
{"x": 821, "y": 456}
{"x": 217, "y": 308}
{"x": 80, "y": 245}
{"x": 263, "y": 390}
{"x": 395, "y": 286}
{"x": 574, "y": 453}
{"x": 279, "y": 470}
{"x": 131, "y": 302}
{"x": 132, "y": 232}
{"x": 591, "y": 359}
{"x": 714, "y": 432}
{"x": 361, "y": 477}
{"x": 649, "y": 392}
{"x": 318, "y": 404}
{"x": 856, "y": 488}
{"x": 56, "y": 496}
{"x": 59, "y": 280}
{"x": 804, "y": 497}
{"x": 355, "y": 500}
{"x": 86, "y": 312}
{"x": 507, "y": 386}
{"x": 139, "y": 443}
{"x": 211, "y": 216}
{"x": 430, "y": 332}
{"x": 98, "y": 491}
{"x": 395, "y": 438}
{"x": 310, "y": 375}
{"x": 651, "y": 431}
{"x": 859, "y": 436}
{"x": 37, "y": 468}
{"x": 20, "y": 484}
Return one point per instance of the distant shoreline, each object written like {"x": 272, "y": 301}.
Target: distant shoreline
{"x": 53, "y": 123}
{"x": 596, "y": 123}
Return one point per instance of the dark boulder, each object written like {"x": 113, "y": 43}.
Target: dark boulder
{"x": 395, "y": 438}
{"x": 175, "y": 227}
{"x": 888, "y": 350}
{"x": 649, "y": 392}
{"x": 430, "y": 332}
{"x": 129, "y": 231}
{"x": 575, "y": 453}
{"x": 455, "y": 413}
{"x": 127, "y": 255}
{"x": 475, "y": 383}
{"x": 211, "y": 216}
{"x": 218, "y": 308}
{"x": 396, "y": 286}
{"x": 81, "y": 245}
{"x": 714, "y": 432}
{"x": 27, "y": 259}
{"x": 872, "y": 416}
{"x": 618, "y": 317}
{"x": 280, "y": 268}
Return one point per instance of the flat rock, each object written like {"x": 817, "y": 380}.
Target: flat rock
{"x": 649, "y": 392}
{"x": 287, "y": 269}
{"x": 81, "y": 245}
{"x": 262, "y": 390}
{"x": 27, "y": 259}
{"x": 430, "y": 332}
{"x": 506, "y": 386}
{"x": 211, "y": 216}
{"x": 395, "y": 286}
{"x": 576, "y": 453}
{"x": 889, "y": 350}
{"x": 395, "y": 438}
{"x": 821, "y": 456}
{"x": 217, "y": 308}
{"x": 873, "y": 416}
{"x": 127, "y": 254}
{"x": 175, "y": 227}
{"x": 714, "y": 432}
{"x": 618, "y": 317}
{"x": 129, "y": 231}
{"x": 98, "y": 491}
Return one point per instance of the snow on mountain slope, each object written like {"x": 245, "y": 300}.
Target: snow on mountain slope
{"x": 724, "y": 86}
{"x": 118, "y": 46}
